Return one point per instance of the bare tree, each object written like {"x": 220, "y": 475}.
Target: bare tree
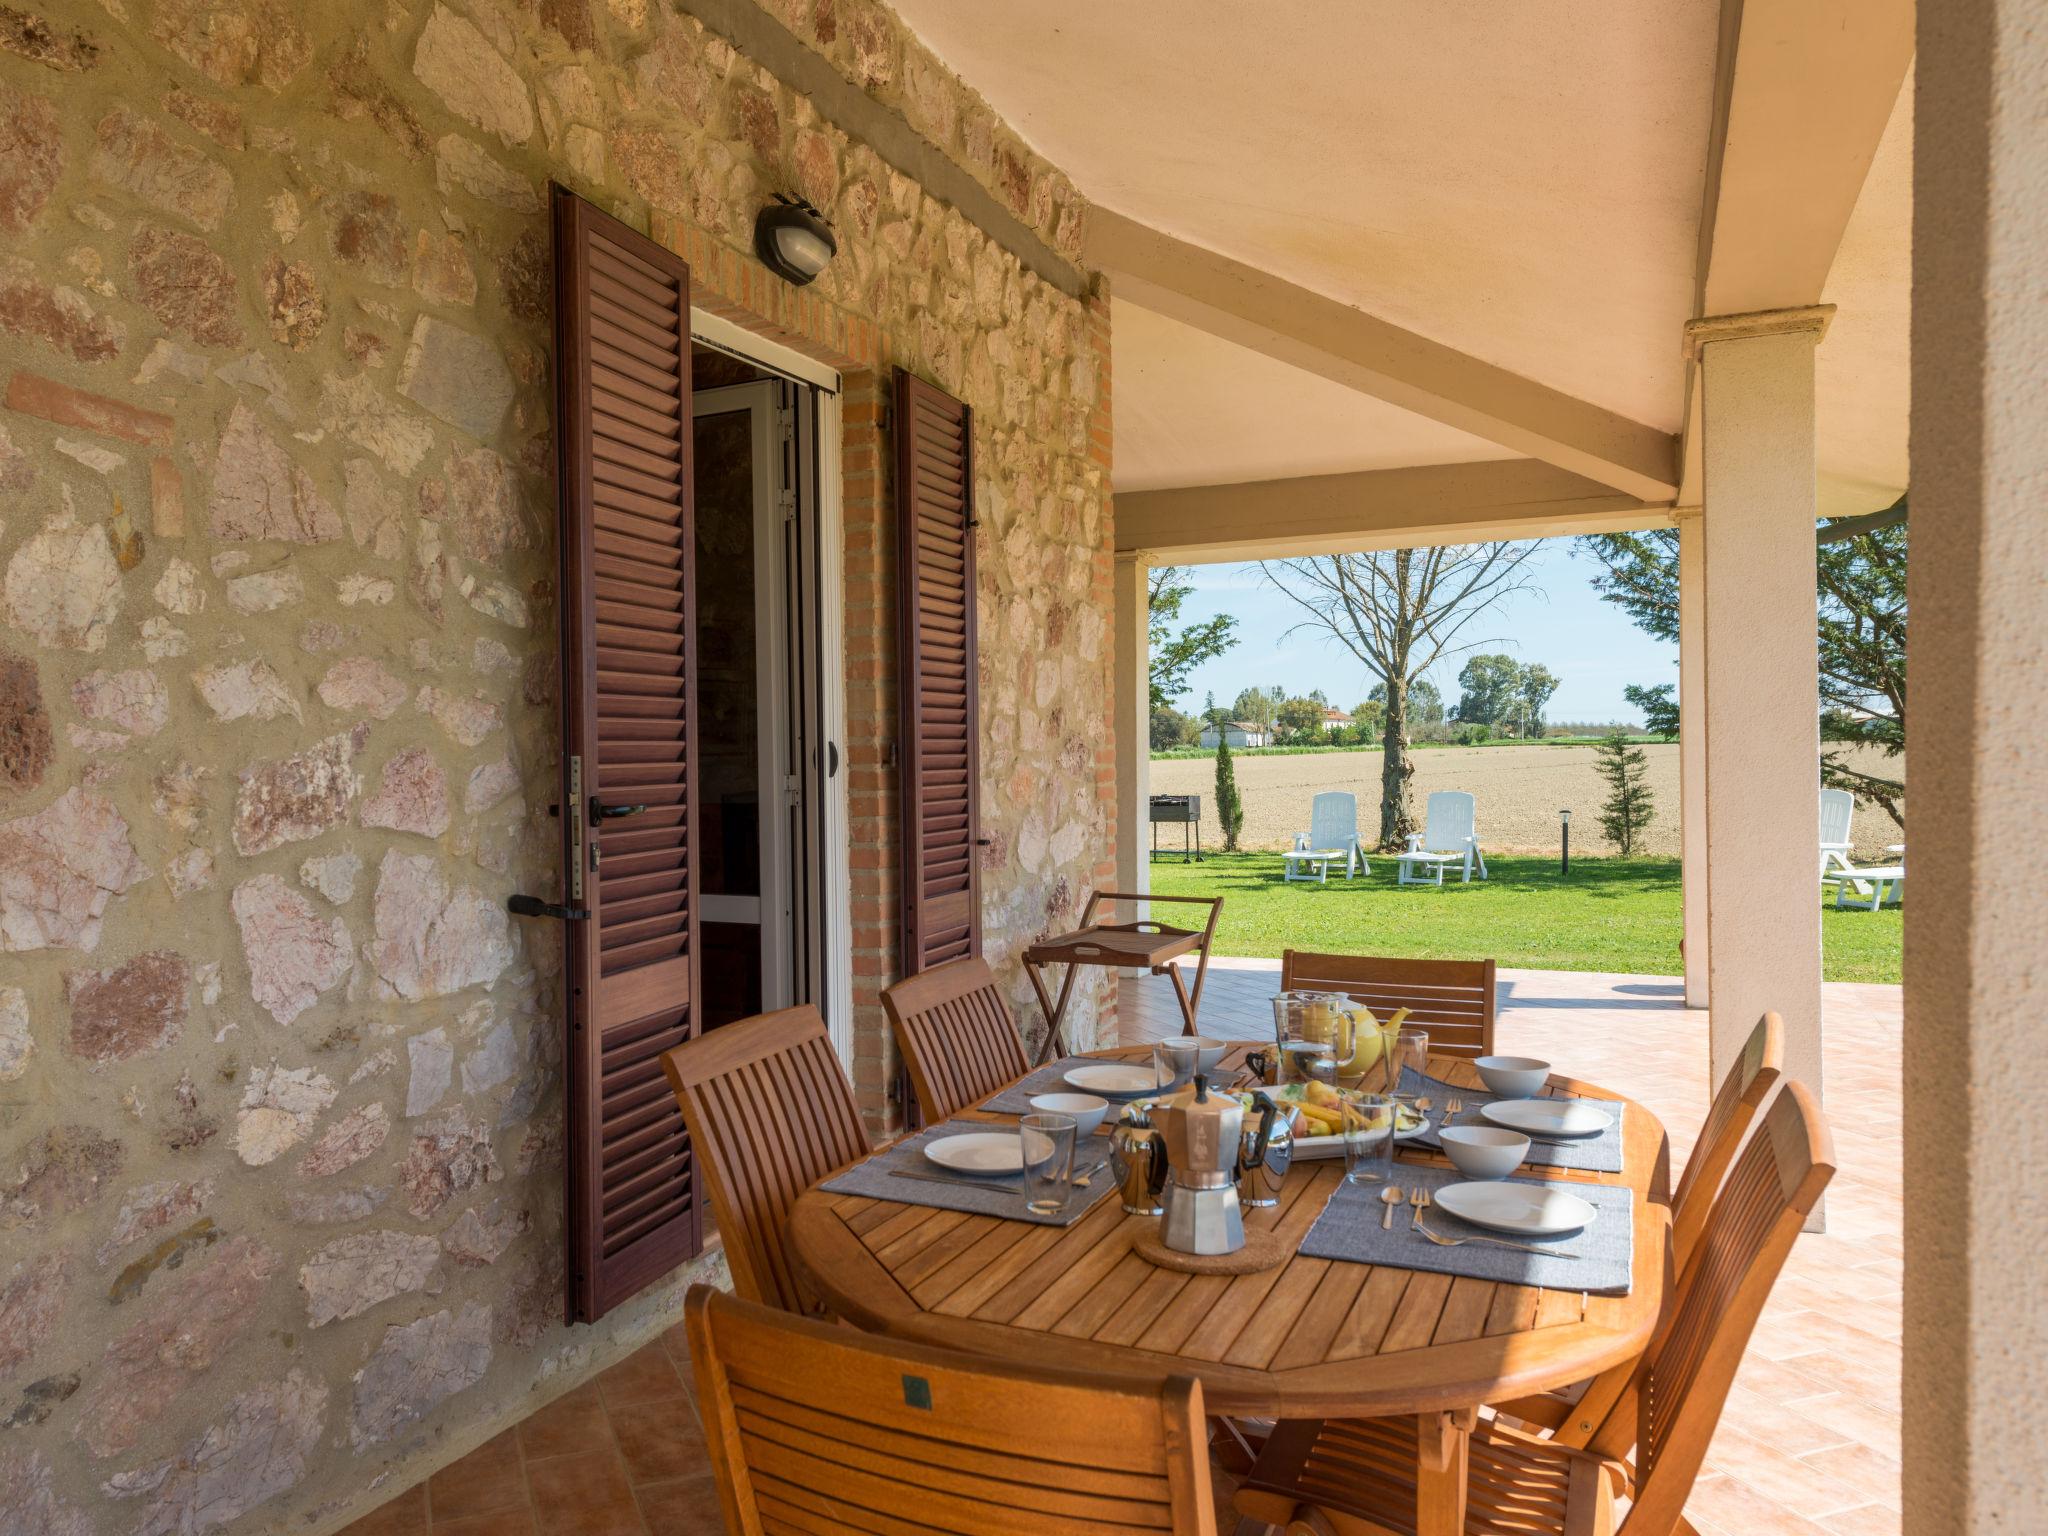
{"x": 1400, "y": 611}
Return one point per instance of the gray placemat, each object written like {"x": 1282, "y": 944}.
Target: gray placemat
{"x": 1349, "y": 1229}
{"x": 1592, "y": 1154}
{"x": 876, "y": 1178}
{"x": 1050, "y": 1078}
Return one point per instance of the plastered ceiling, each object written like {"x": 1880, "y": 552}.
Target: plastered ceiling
{"x": 1521, "y": 182}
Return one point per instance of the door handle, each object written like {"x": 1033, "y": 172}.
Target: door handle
{"x": 533, "y": 906}
{"x": 599, "y": 811}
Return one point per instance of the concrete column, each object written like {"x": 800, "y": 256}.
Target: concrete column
{"x": 1692, "y": 746}
{"x": 1762, "y": 716}
{"x": 1133, "y": 721}
{"x": 1976, "y": 1314}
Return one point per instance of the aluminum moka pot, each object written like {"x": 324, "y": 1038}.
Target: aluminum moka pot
{"x": 1203, "y": 1132}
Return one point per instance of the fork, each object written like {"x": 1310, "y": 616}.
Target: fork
{"x": 1418, "y": 1202}
{"x": 1458, "y": 1242}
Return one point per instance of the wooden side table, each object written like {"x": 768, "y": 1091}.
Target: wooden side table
{"x": 1148, "y": 946}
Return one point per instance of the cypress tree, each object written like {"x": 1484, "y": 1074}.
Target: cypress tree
{"x": 1229, "y": 808}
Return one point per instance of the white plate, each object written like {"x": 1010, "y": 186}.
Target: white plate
{"x": 1549, "y": 1117}
{"x": 1111, "y": 1081}
{"x": 1527, "y": 1210}
{"x": 978, "y": 1152}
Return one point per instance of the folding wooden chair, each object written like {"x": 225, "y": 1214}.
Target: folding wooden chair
{"x": 956, "y": 1035}
{"x": 770, "y": 1112}
{"x": 813, "y": 1428}
{"x": 1452, "y": 999}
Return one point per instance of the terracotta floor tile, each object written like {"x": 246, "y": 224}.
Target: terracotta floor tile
{"x": 686, "y": 1506}
{"x": 1727, "y": 1504}
{"x": 647, "y": 1375}
{"x": 405, "y": 1515}
{"x": 585, "y": 1495}
{"x": 573, "y": 1423}
{"x": 1870, "y": 1520}
{"x": 486, "y": 1479}
{"x": 517, "y": 1521}
{"x": 660, "y": 1441}
{"x": 1860, "y": 1467}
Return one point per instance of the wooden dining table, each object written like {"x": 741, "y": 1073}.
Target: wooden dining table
{"x": 1312, "y": 1338}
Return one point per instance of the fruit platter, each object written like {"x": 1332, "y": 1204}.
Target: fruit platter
{"x": 1311, "y": 1111}
{"x": 1315, "y": 1110}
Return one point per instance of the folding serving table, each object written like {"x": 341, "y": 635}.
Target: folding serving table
{"x": 1146, "y": 946}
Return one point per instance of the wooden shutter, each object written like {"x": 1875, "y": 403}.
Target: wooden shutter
{"x": 939, "y": 749}
{"x": 622, "y": 331}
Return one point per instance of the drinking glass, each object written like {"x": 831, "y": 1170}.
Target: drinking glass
{"x": 1048, "y": 1146}
{"x": 1408, "y": 1048}
{"x": 1369, "y": 1126}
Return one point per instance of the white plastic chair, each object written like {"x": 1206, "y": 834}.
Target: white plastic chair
{"x": 1837, "y": 807}
{"x": 1449, "y": 835}
{"x": 1332, "y": 835}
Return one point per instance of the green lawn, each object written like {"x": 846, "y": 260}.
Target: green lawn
{"x": 1606, "y": 915}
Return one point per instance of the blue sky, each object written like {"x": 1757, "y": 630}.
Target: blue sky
{"x": 1563, "y": 623}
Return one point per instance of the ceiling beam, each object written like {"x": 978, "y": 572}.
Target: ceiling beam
{"x": 1316, "y": 333}
{"x": 1373, "y": 509}
{"x": 1803, "y": 90}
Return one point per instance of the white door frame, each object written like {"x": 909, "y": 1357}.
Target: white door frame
{"x": 829, "y": 509}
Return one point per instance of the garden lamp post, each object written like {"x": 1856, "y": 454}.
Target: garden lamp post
{"x": 1566, "y": 866}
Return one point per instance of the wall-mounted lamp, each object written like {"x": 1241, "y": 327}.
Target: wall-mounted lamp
{"x": 793, "y": 240}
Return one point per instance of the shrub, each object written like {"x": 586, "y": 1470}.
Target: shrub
{"x": 1630, "y": 805}
{"x": 1229, "y": 808}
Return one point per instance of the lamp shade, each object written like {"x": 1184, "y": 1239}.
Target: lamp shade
{"x": 793, "y": 240}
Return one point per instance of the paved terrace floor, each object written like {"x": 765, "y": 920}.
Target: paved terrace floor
{"x": 1810, "y": 1442}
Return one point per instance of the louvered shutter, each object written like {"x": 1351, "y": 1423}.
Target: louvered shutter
{"x": 940, "y": 717}
{"x": 622, "y": 319}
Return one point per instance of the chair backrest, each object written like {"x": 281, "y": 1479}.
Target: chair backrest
{"x": 956, "y": 1035}
{"x": 814, "y": 1428}
{"x": 1672, "y": 1407}
{"x": 1837, "y": 807}
{"x": 1451, "y": 817}
{"x": 770, "y": 1112}
{"x": 1333, "y": 819}
{"x": 1742, "y": 1093}
{"x": 1451, "y": 999}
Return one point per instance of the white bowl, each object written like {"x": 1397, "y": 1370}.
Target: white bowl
{"x": 1086, "y": 1109}
{"x": 1483, "y": 1151}
{"x": 1512, "y": 1077}
{"x": 1207, "y": 1052}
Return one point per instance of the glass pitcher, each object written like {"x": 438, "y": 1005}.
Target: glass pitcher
{"x": 1310, "y": 1027}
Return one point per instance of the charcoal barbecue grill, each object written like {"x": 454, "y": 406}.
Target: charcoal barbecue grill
{"x": 1179, "y": 810}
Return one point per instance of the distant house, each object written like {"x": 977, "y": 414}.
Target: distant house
{"x": 1243, "y": 733}
{"x": 1335, "y": 719}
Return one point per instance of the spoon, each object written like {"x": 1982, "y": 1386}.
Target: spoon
{"x": 1389, "y": 1197}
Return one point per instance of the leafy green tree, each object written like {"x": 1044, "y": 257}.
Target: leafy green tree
{"x": 1367, "y": 716}
{"x": 1171, "y": 728}
{"x": 1630, "y": 803}
{"x": 1400, "y": 611}
{"x": 1860, "y": 574}
{"x": 1532, "y": 693}
{"x": 1488, "y": 686}
{"x": 1176, "y": 652}
{"x": 1300, "y": 720}
{"x": 1229, "y": 808}
{"x": 1659, "y": 708}
{"x": 1255, "y": 706}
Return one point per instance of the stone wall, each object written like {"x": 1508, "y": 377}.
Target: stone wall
{"x": 280, "y": 1103}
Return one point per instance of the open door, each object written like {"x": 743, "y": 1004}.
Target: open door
{"x": 629, "y": 770}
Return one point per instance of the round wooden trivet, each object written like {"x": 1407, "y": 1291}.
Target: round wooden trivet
{"x": 1262, "y": 1250}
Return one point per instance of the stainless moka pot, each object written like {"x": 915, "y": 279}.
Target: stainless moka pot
{"x": 1203, "y": 1133}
